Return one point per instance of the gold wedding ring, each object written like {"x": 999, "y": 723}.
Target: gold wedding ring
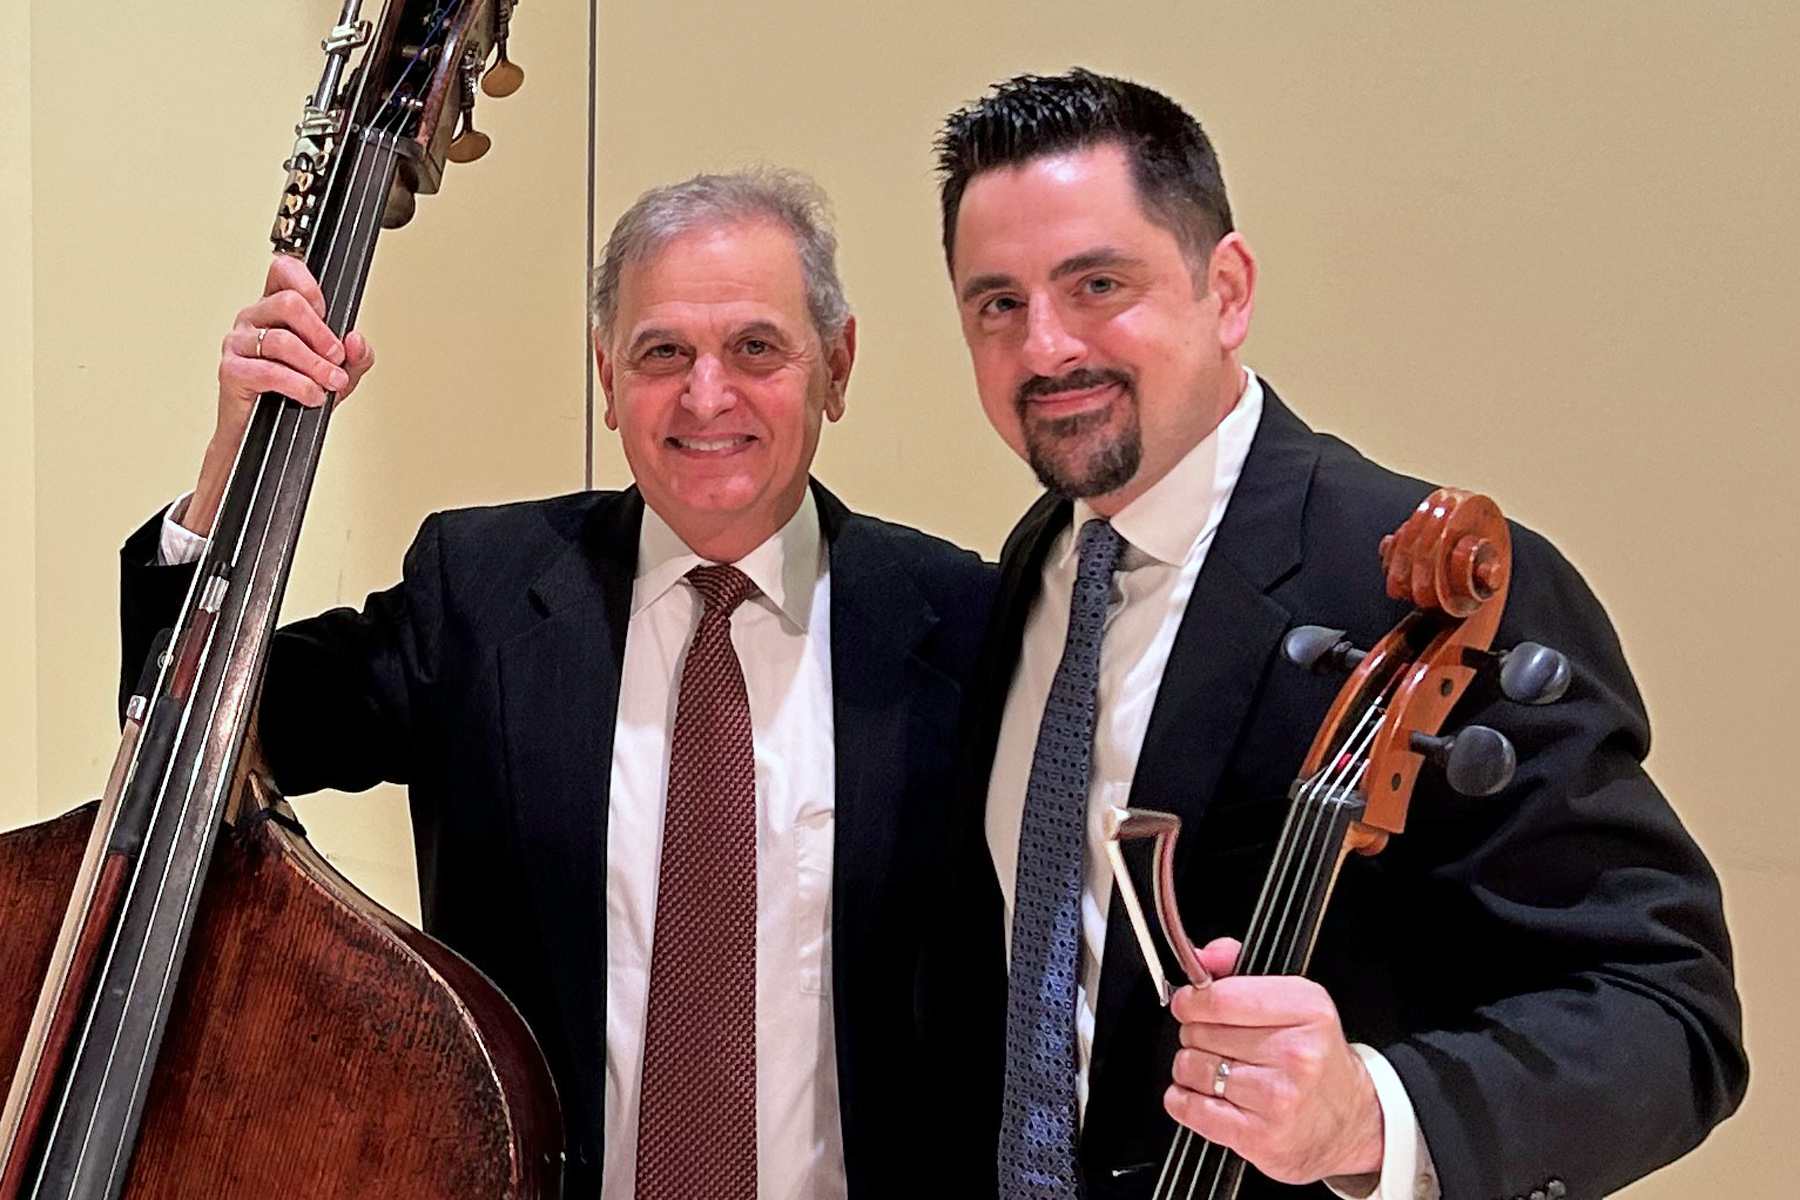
{"x": 260, "y": 334}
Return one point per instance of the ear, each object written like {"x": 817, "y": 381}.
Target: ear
{"x": 839, "y": 357}
{"x": 604, "y": 363}
{"x": 1231, "y": 276}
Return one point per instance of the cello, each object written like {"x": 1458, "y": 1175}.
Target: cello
{"x": 1452, "y": 561}
{"x": 196, "y": 1003}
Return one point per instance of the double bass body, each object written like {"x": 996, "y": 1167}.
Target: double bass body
{"x": 317, "y": 1046}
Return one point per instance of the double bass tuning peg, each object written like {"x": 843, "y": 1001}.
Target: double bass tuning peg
{"x": 1529, "y": 673}
{"x": 470, "y": 143}
{"x": 505, "y": 77}
{"x": 1478, "y": 761}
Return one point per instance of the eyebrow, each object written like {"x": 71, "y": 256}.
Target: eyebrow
{"x": 1105, "y": 256}
{"x": 762, "y": 329}
{"x": 987, "y": 283}
{"x": 1087, "y": 260}
{"x": 655, "y": 333}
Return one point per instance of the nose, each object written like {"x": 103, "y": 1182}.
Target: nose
{"x": 709, "y": 391}
{"x": 1050, "y": 347}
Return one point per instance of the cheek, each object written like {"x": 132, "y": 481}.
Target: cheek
{"x": 639, "y": 408}
{"x": 997, "y": 378}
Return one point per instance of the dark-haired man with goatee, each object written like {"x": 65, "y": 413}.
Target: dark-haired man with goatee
{"x": 1529, "y": 996}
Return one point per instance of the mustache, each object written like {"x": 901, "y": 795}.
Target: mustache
{"x": 1078, "y": 380}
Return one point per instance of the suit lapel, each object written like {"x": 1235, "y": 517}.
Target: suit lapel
{"x": 1021, "y": 579}
{"x": 1229, "y": 633}
{"x": 559, "y": 683}
{"x": 878, "y": 683}
{"x": 881, "y": 693}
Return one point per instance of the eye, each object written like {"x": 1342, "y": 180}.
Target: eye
{"x": 999, "y": 305}
{"x": 756, "y": 347}
{"x": 1100, "y": 285}
{"x": 662, "y": 350}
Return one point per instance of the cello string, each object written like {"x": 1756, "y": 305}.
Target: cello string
{"x": 1310, "y": 812}
{"x": 1344, "y": 765}
{"x": 1215, "y": 1163}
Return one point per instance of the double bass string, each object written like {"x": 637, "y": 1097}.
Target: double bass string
{"x": 283, "y": 442}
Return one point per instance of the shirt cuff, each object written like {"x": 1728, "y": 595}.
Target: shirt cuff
{"x": 178, "y": 545}
{"x": 1406, "y": 1172}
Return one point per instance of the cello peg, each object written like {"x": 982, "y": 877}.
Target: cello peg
{"x": 1529, "y": 673}
{"x": 1534, "y": 674}
{"x": 1320, "y": 650}
{"x": 1479, "y": 761}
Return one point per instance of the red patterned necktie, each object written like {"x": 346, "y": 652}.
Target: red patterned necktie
{"x": 697, "y": 1120}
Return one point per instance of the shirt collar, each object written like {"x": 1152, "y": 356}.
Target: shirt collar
{"x": 1165, "y": 523}
{"x": 784, "y": 569}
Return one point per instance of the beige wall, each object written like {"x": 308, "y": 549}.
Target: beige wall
{"x": 18, "y": 531}
{"x": 1539, "y": 248}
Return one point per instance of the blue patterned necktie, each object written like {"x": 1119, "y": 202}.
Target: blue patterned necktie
{"x": 1038, "y": 1117}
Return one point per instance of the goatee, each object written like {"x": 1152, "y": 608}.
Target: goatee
{"x": 1080, "y": 455}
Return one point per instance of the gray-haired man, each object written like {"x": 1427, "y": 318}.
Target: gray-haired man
{"x": 677, "y": 754}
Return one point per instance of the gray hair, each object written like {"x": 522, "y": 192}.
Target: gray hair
{"x": 659, "y": 216}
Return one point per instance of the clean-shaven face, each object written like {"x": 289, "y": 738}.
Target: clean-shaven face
{"x": 718, "y": 383}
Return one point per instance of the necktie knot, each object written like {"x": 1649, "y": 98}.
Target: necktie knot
{"x": 722, "y": 588}
{"x": 1099, "y": 547}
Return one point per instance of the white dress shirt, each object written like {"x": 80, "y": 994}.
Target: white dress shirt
{"x": 783, "y": 641}
{"x": 1168, "y": 531}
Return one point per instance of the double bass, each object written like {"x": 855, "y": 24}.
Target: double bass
{"x": 195, "y": 1003}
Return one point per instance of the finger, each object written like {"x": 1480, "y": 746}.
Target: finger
{"x": 1255, "y": 1000}
{"x": 359, "y": 356}
{"x": 1220, "y": 956}
{"x": 289, "y": 274}
{"x": 289, "y": 310}
{"x": 282, "y": 347}
{"x": 1218, "y": 1121}
{"x": 1262, "y": 1045}
{"x": 1245, "y": 1085}
{"x": 256, "y": 376}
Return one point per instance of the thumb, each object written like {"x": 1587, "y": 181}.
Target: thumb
{"x": 1220, "y": 956}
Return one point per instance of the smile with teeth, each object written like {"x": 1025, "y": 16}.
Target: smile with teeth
{"x": 711, "y": 445}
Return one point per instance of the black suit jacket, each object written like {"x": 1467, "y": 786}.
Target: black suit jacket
{"x": 487, "y": 681}
{"x": 1547, "y": 970}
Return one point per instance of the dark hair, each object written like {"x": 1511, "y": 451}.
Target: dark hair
{"x": 1030, "y": 116}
